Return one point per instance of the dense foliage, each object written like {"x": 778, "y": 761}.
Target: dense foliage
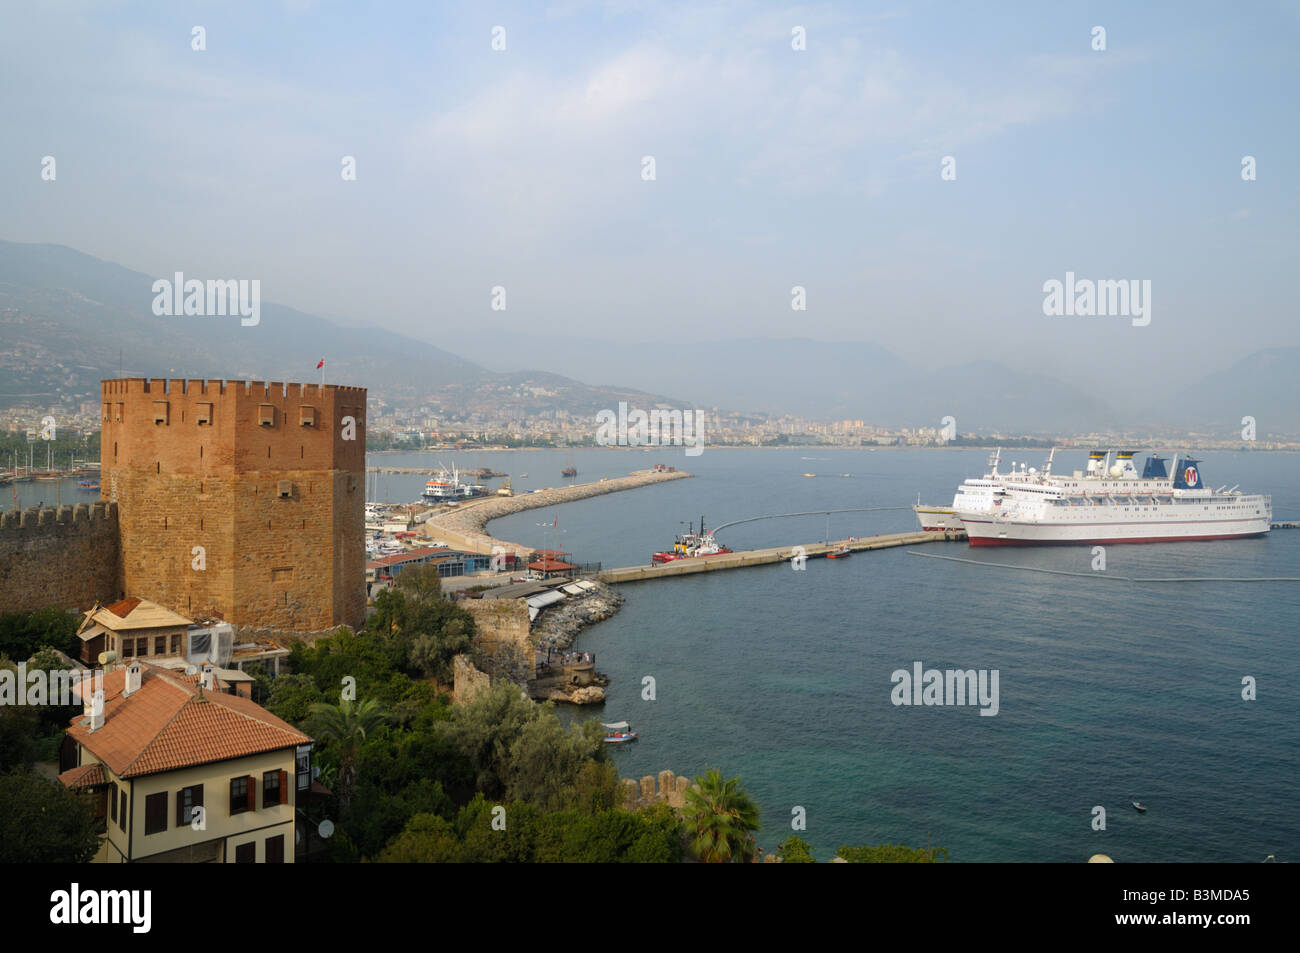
{"x": 408, "y": 770}
{"x": 42, "y": 822}
{"x": 892, "y": 854}
{"x": 522, "y": 833}
{"x": 23, "y": 634}
{"x": 32, "y": 733}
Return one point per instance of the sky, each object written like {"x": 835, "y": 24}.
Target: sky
{"x": 774, "y": 167}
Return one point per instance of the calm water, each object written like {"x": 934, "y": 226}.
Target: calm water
{"x": 1109, "y": 691}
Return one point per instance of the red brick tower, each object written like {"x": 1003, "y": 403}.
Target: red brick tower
{"x": 243, "y": 500}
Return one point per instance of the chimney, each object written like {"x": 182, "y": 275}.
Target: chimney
{"x": 208, "y": 677}
{"x": 134, "y": 671}
{"x": 94, "y": 710}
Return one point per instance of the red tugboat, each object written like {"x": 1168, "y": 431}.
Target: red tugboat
{"x": 692, "y": 544}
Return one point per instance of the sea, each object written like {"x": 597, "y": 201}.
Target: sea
{"x": 1109, "y": 690}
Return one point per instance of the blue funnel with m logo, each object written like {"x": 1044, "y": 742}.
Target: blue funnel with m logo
{"x": 1188, "y": 475}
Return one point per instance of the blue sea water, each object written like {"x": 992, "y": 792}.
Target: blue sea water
{"x": 1109, "y": 691}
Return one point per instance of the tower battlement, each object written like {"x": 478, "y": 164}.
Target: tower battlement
{"x": 35, "y": 517}
{"x": 177, "y": 425}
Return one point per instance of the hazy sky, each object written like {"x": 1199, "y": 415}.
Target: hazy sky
{"x": 774, "y": 167}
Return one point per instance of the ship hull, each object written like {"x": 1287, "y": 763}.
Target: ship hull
{"x": 937, "y": 519}
{"x": 1009, "y": 533}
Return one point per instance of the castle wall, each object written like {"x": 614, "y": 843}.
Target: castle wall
{"x": 67, "y": 557}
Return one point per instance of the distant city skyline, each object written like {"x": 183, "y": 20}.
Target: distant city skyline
{"x": 774, "y": 168}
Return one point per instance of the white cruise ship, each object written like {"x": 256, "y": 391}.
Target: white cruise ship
{"x": 1109, "y": 502}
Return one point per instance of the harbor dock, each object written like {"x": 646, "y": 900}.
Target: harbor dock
{"x": 775, "y": 554}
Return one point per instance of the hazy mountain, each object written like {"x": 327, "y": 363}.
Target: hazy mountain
{"x": 67, "y": 320}
{"x": 1264, "y": 385}
{"x": 827, "y": 380}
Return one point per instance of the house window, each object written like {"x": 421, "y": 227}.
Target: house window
{"x": 266, "y": 415}
{"x": 160, "y": 645}
{"x": 112, "y": 804}
{"x": 302, "y": 767}
{"x": 176, "y": 643}
{"x": 155, "y": 813}
{"x": 246, "y": 853}
{"x": 186, "y": 800}
{"x": 121, "y": 814}
{"x": 274, "y": 788}
{"x": 275, "y": 849}
{"x": 241, "y": 795}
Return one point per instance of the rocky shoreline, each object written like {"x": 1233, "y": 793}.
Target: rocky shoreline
{"x": 556, "y": 629}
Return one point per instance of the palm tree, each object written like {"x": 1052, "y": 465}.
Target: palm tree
{"x": 719, "y": 817}
{"x": 349, "y": 725}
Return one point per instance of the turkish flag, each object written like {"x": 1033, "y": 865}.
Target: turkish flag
{"x": 321, "y": 364}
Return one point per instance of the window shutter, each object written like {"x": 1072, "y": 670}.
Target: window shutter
{"x": 181, "y": 819}
{"x": 284, "y": 787}
{"x": 252, "y": 793}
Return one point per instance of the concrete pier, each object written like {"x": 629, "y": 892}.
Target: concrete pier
{"x": 763, "y": 557}
{"x": 463, "y": 527}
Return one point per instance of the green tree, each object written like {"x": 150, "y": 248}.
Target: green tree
{"x": 427, "y": 839}
{"x": 42, "y": 822}
{"x": 23, "y": 634}
{"x": 719, "y": 818}
{"x": 292, "y": 697}
{"x": 795, "y": 850}
{"x": 422, "y": 584}
{"x": 346, "y": 726}
{"x": 892, "y": 854}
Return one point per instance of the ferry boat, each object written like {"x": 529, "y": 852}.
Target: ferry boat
{"x": 1109, "y": 502}
{"x": 692, "y": 544}
{"x": 447, "y": 488}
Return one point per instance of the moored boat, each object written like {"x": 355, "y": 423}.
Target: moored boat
{"x": 690, "y": 545}
{"x": 1109, "y": 502}
{"x": 618, "y": 732}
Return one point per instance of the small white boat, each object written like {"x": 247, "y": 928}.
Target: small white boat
{"x": 618, "y": 732}
{"x": 1140, "y": 807}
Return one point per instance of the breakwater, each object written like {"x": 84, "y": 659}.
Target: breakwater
{"x": 775, "y": 554}
{"x": 464, "y": 528}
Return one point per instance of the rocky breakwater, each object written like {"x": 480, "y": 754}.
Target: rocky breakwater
{"x": 465, "y": 526}
{"x": 564, "y": 675}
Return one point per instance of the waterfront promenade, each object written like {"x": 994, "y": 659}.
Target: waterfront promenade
{"x": 464, "y": 527}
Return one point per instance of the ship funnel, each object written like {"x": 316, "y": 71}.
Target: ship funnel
{"x": 1155, "y": 468}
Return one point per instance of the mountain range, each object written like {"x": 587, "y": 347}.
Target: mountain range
{"x": 68, "y": 319}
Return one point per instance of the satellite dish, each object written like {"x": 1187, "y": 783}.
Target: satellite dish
{"x": 191, "y": 670}
{"x": 326, "y": 828}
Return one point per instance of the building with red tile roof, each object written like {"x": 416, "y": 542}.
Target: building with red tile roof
{"x": 185, "y": 772}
